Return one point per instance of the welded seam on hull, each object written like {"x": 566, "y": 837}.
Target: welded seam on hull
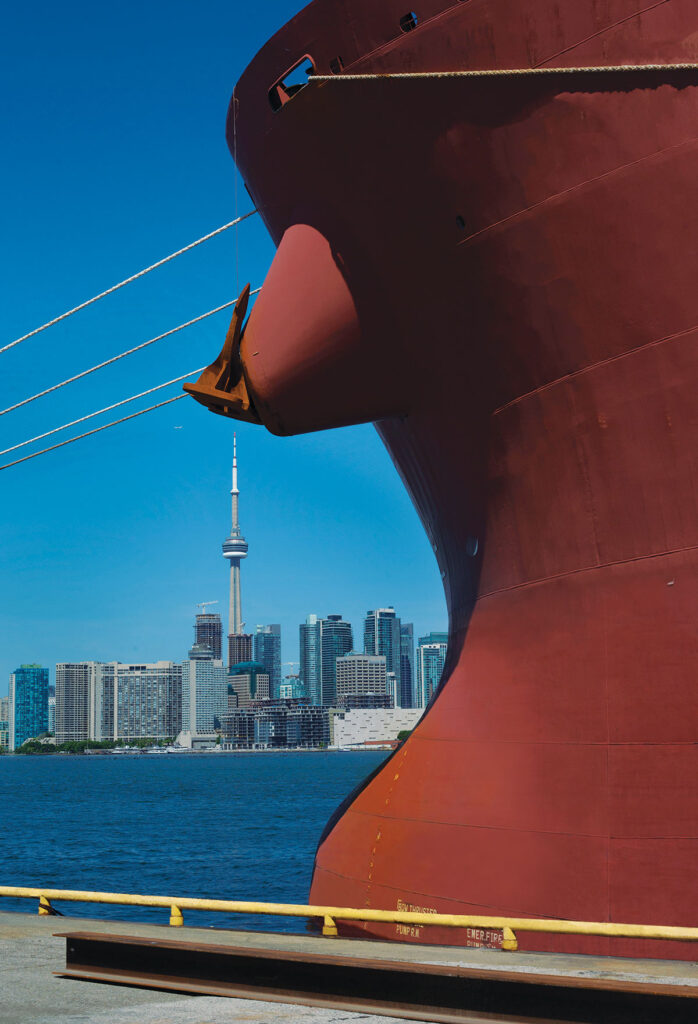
{"x": 386, "y": 47}
{"x": 588, "y": 182}
{"x": 655, "y": 343}
{"x": 583, "y": 462}
{"x": 586, "y": 568}
{"x": 400, "y": 890}
{"x": 605, "y": 836}
{"x": 602, "y": 31}
{"x": 390, "y": 44}
{"x": 551, "y": 743}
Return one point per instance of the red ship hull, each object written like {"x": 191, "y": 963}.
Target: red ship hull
{"x": 502, "y": 274}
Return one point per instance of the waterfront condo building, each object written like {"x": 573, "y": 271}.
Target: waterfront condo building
{"x": 112, "y": 700}
{"x": 362, "y": 682}
{"x": 28, "y": 704}
{"x": 322, "y": 641}
{"x": 276, "y": 723}
{"x": 75, "y": 696}
{"x": 267, "y": 652}
{"x": 204, "y": 690}
{"x": 4, "y": 723}
{"x": 52, "y": 710}
{"x": 431, "y": 657}
{"x": 147, "y": 700}
{"x": 82, "y": 711}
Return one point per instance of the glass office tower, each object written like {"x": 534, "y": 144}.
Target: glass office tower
{"x": 431, "y": 657}
{"x": 28, "y": 704}
{"x": 267, "y": 651}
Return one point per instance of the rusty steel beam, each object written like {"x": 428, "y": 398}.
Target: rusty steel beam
{"x": 416, "y": 991}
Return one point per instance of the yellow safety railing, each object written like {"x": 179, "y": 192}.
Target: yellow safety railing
{"x": 330, "y": 915}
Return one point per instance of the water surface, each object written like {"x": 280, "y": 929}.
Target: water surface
{"x": 226, "y": 826}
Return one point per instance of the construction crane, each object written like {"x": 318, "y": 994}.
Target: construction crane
{"x": 205, "y": 604}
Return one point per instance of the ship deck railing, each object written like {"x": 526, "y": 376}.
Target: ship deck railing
{"x": 329, "y": 916}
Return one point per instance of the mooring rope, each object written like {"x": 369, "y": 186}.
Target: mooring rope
{"x": 88, "y": 433}
{"x": 128, "y": 280}
{"x": 121, "y": 355}
{"x": 95, "y": 430}
{"x": 505, "y": 72}
{"x": 98, "y": 412}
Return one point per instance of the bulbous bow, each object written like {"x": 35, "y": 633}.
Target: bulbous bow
{"x": 303, "y": 361}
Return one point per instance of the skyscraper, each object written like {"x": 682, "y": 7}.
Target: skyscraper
{"x": 337, "y": 639}
{"x": 75, "y": 690}
{"x": 239, "y": 648}
{"x": 208, "y": 629}
{"x": 84, "y": 700}
{"x": 407, "y": 694}
{"x": 322, "y": 641}
{"x": 28, "y": 704}
{"x": 235, "y": 549}
{"x": 267, "y": 651}
{"x": 382, "y": 635}
{"x": 431, "y": 656}
{"x": 204, "y": 690}
{"x": 310, "y": 665}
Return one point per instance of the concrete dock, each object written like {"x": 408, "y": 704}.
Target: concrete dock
{"x": 30, "y": 992}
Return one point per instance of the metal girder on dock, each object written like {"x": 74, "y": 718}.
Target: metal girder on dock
{"x": 412, "y": 990}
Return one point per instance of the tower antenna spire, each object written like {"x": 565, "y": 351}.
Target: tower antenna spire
{"x": 235, "y": 549}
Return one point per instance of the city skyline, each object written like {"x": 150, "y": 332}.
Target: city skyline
{"x": 231, "y": 614}
{"x": 109, "y": 544}
{"x": 96, "y": 701}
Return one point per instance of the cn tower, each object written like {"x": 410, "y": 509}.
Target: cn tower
{"x": 235, "y": 549}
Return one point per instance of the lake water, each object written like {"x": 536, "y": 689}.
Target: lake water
{"x": 226, "y": 826}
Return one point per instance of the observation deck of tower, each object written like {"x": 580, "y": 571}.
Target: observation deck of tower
{"x": 235, "y": 549}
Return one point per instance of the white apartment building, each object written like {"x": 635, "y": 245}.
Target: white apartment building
{"x": 204, "y": 693}
{"x": 113, "y": 700}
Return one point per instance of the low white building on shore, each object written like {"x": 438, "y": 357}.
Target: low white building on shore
{"x": 370, "y": 727}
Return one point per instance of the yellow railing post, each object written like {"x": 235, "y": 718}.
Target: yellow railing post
{"x": 176, "y": 919}
{"x": 45, "y": 908}
{"x": 509, "y": 940}
{"x": 329, "y": 928}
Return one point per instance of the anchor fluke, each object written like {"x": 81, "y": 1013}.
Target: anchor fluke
{"x": 222, "y": 387}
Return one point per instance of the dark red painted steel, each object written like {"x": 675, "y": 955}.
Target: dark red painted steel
{"x": 502, "y": 273}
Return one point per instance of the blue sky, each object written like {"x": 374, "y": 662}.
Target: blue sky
{"x": 114, "y": 156}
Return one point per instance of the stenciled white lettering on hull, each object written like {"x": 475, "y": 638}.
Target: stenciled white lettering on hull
{"x": 475, "y": 937}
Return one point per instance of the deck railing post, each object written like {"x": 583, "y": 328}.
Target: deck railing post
{"x": 176, "y": 919}
{"x": 329, "y": 928}
{"x": 45, "y": 908}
